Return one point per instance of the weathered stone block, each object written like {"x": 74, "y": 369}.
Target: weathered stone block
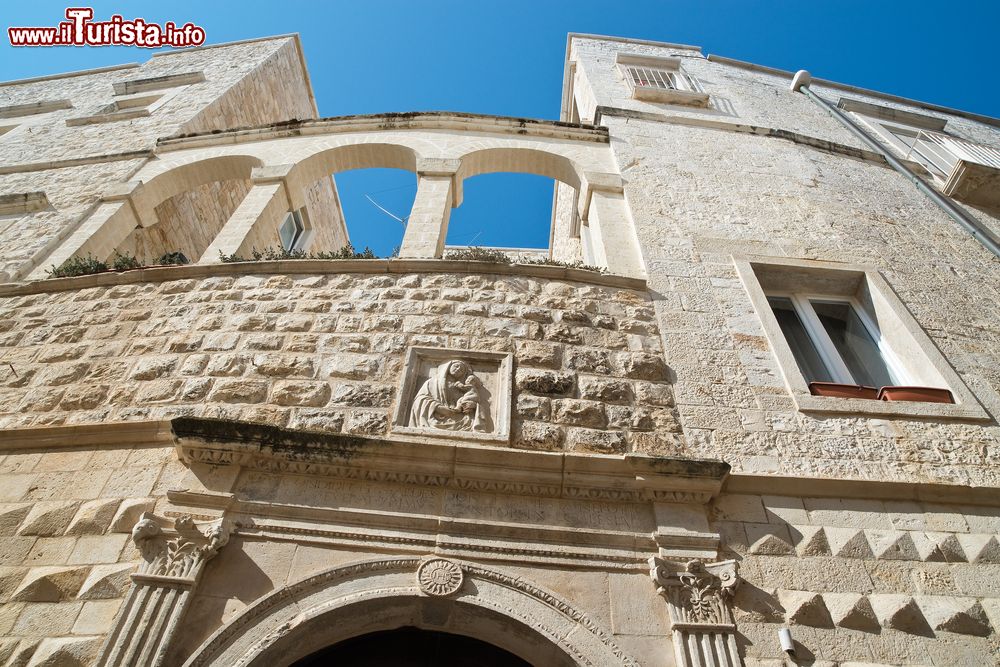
{"x": 313, "y": 394}
{"x": 643, "y": 366}
{"x": 534, "y": 407}
{"x": 283, "y": 365}
{"x": 93, "y": 517}
{"x": 605, "y": 390}
{"x": 588, "y": 361}
{"x": 602, "y": 442}
{"x": 579, "y": 413}
{"x": 544, "y": 382}
{"x": 362, "y": 395}
{"x": 48, "y": 518}
{"x": 239, "y": 391}
{"x": 539, "y": 435}
{"x": 535, "y": 353}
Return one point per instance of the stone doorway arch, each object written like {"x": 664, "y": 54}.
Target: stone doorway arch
{"x": 429, "y": 593}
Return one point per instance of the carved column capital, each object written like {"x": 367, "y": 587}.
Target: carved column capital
{"x": 698, "y": 596}
{"x": 177, "y": 549}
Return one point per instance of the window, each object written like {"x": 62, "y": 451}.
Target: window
{"x": 656, "y": 79}
{"x": 292, "y": 231}
{"x": 833, "y": 323}
{"x": 833, "y": 340}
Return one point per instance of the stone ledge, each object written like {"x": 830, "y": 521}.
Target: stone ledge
{"x": 414, "y": 120}
{"x": 627, "y": 478}
{"x": 318, "y": 266}
{"x": 811, "y": 487}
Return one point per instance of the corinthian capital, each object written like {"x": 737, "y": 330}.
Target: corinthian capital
{"x": 698, "y": 593}
{"x": 177, "y": 548}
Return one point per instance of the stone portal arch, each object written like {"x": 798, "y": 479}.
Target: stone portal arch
{"x": 430, "y": 593}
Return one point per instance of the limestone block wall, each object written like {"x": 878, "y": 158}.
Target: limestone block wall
{"x": 72, "y": 191}
{"x": 692, "y": 217}
{"x": 739, "y": 95}
{"x": 65, "y": 554}
{"x": 861, "y": 580}
{"x": 248, "y": 83}
{"x": 187, "y": 223}
{"x": 325, "y": 352}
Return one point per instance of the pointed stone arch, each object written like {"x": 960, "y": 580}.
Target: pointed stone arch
{"x": 368, "y": 596}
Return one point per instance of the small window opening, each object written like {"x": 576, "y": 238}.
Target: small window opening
{"x": 292, "y": 230}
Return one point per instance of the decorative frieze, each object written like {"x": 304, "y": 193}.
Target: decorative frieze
{"x": 698, "y": 596}
{"x": 174, "y": 552}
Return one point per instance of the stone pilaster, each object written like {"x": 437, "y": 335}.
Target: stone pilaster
{"x": 174, "y": 552}
{"x": 698, "y": 596}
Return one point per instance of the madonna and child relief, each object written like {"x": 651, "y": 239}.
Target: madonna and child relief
{"x": 452, "y": 398}
{"x": 456, "y": 394}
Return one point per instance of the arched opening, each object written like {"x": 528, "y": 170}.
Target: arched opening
{"x": 503, "y": 210}
{"x": 375, "y": 596}
{"x": 412, "y": 647}
{"x": 184, "y": 209}
{"x": 377, "y": 204}
{"x": 375, "y": 185}
{"x": 520, "y": 199}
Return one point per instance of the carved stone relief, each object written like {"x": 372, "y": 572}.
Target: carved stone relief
{"x": 174, "y": 552}
{"x": 462, "y": 394}
{"x": 698, "y": 596}
{"x": 452, "y": 398}
{"x": 439, "y": 577}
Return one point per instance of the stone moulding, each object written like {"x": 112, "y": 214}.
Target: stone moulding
{"x": 415, "y": 120}
{"x": 319, "y": 267}
{"x": 251, "y": 637}
{"x": 698, "y": 597}
{"x": 174, "y": 553}
{"x": 628, "y": 478}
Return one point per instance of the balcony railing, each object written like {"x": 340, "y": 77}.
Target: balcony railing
{"x": 965, "y": 170}
{"x": 941, "y": 152}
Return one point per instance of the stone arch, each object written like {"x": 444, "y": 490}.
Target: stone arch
{"x": 523, "y": 161}
{"x": 191, "y": 175}
{"x": 362, "y": 155}
{"x": 367, "y": 596}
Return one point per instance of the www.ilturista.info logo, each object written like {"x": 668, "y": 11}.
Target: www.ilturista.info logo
{"x": 80, "y": 30}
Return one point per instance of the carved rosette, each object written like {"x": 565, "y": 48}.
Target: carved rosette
{"x": 177, "y": 548}
{"x": 698, "y": 593}
{"x": 439, "y": 577}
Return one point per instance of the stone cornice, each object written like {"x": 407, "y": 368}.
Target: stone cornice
{"x": 858, "y": 488}
{"x": 628, "y": 478}
{"x": 415, "y": 120}
{"x": 321, "y": 267}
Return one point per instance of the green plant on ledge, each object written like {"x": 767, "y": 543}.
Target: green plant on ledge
{"x": 494, "y": 256}
{"x": 545, "y": 261}
{"x": 77, "y": 266}
{"x": 85, "y": 266}
{"x": 125, "y": 262}
{"x": 278, "y": 254}
{"x": 479, "y": 254}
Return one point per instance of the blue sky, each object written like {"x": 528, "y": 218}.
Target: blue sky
{"x": 506, "y": 58}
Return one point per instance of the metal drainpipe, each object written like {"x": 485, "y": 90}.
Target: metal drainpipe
{"x": 984, "y": 236}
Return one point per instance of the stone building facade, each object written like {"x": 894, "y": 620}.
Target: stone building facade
{"x": 281, "y": 462}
